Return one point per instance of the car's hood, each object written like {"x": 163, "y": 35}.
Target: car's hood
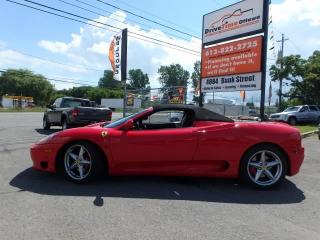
{"x": 281, "y": 113}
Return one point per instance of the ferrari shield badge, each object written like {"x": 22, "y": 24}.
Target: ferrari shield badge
{"x": 104, "y": 134}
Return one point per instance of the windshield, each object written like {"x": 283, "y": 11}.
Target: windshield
{"x": 122, "y": 120}
{"x": 75, "y": 103}
{"x": 292, "y": 109}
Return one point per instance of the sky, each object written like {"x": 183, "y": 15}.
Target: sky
{"x": 73, "y": 51}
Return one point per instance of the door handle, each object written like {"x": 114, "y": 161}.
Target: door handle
{"x": 201, "y": 131}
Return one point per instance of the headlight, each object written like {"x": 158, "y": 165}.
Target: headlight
{"x": 284, "y": 117}
{"x": 47, "y": 138}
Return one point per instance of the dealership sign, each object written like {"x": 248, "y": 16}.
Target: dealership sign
{"x": 242, "y": 18}
{"x": 237, "y": 57}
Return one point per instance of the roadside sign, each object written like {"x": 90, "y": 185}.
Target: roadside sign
{"x": 238, "y": 82}
{"x": 118, "y": 55}
{"x": 241, "y": 56}
{"x": 237, "y": 20}
{"x": 232, "y": 59}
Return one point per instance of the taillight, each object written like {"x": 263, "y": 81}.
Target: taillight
{"x": 110, "y": 114}
{"x": 75, "y": 112}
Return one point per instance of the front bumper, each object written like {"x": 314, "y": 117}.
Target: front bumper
{"x": 277, "y": 120}
{"x": 296, "y": 157}
{"x": 43, "y": 156}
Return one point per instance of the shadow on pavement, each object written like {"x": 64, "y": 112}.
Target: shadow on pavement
{"x": 172, "y": 188}
{"x": 46, "y": 132}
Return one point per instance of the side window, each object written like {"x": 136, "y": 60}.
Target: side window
{"x": 57, "y": 102}
{"x": 164, "y": 117}
{"x": 304, "y": 109}
{"x": 313, "y": 108}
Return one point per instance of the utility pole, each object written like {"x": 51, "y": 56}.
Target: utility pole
{"x": 280, "y": 56}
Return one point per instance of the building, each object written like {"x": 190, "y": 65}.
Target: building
{"x": 16, "y": 101}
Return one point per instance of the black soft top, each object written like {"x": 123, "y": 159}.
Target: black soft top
{"x": 200, "y": 114}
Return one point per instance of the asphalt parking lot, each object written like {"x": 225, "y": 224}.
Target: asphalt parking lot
{"x": 36, "y": 205}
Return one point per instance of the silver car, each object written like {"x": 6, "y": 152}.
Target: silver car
{"x": 298, "y": 114}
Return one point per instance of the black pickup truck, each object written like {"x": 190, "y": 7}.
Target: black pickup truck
{"x": 68, "y": 112}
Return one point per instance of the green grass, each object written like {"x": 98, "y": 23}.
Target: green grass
{"x": 35, "y": 109}
{"x": 306, "y": 128}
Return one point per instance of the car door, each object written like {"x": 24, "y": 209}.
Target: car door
{"x": 57, "y": 111}
{"x": 51, "y": 112}
{"x": 313, "y": 114}
{"x": 303, "y": 114}
{"x": 167, "y": 151}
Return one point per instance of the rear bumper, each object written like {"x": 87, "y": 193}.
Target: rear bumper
{"x": 84, "y": 122}
{"x": 43, "y": 156}
{"x": 296, "y": 160}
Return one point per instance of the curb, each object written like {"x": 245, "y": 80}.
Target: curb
{"x": 308, "y": 134}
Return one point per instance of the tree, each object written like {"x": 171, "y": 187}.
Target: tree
{"x": 312, "y": 79}
{"x": 303, "y": 76}
{"x": 173, "y": 75}
{"x": 138, "y": 79}
{"x": 195, "y": 76}
{"x": 107, "y": 81}
{"x": 26, "y": 83}
{"x": 293, "y": 70}
{"x": 92, "y": 93}
{"x": 96, "y": 94}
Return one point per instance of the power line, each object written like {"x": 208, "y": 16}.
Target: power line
{"x": 218, "y": 3}
{"x": 52, "y": 79}
{"x": 108, "y": 25}
{"x": 105, "y": 24}
{"x": 51, "y": 61}
{"x": 151, "y": 14}
{"x": 291, "y": 41}
{"x": 117, "y": 20}
{"x": 148, "y": 19}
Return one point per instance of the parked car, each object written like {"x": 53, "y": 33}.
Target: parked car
{"x": 69, "y": 111}
{"x": 201, "y": 144}
{"x": 298, "y": 114}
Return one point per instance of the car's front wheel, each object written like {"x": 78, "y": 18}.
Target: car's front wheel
{"x": 264, "y": 166}
{"x": 83, "y": 162}
{"x": 292, "y": 121}
{"x": 46, "y": 125}
{"x": 64, "y": 124}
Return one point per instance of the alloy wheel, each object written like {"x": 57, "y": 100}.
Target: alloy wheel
{"x": 264, "y": 168}
{"x": 77, "y": 162}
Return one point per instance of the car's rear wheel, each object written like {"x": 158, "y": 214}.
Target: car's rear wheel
{"x": 264, "y": 166}
{"x": 83, "y": 162}
{"x": 292, "y": 121}
{"x": 46, "y": 125}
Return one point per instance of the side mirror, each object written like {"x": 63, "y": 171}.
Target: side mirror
{"x": 52, "y": 107}
{"x": 128, "y": 125}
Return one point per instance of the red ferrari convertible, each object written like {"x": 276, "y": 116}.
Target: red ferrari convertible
{"x": 174, "y": 140}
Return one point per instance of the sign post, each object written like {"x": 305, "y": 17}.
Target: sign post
{"x": 234, "y": 49}
{"x": 264, "y": 59}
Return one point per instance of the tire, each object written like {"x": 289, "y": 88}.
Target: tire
{"x": 90, "y": 160}
{"x": 292, "y": 121}
{"x": 259, "y": 175}
{"x": 45, "y": 124}
{"x": 64, "y": 123}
